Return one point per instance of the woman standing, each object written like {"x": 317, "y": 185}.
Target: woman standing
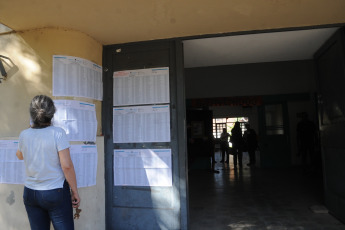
{"x": 237, "y": 143}
{"x": 224, "y": 145}
{"x": 50, "y": 191}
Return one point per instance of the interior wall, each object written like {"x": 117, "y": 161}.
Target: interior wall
{"x": 255, "y": 79}
{"x": 250, "y": 79}
{"x": 31, "y": 52}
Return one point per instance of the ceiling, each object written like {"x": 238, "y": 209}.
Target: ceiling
{"x": 255, "y": 48}
{"x": 121, "y": 21}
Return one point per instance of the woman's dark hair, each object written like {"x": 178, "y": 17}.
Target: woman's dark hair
{"x": 42, "y": 111}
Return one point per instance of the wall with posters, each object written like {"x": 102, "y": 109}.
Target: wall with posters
{"x": 30, "y": 73}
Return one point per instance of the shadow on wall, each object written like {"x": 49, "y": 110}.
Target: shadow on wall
{"x": 27, "y": 75}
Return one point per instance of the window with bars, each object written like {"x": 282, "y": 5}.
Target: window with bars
{"x": 228, "y": 123}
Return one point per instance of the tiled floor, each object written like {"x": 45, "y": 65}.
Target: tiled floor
{"x": 254, "y": 198}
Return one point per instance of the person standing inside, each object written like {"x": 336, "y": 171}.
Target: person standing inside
{"x": 251, "y": 143}
{"x": 50, "y": 191}
{"x": 212, "y": 148}
{"x": 237, "y": 144}
{"x": 307, "y": 140}
{"x": 224, "y": 145}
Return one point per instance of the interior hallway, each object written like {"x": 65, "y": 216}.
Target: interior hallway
{"x": 254, "y": 198}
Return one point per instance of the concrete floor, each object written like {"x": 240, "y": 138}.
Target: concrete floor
{"x": 254, "y": 198}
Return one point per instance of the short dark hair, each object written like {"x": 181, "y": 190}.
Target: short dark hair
{"x": 42, "y": 110}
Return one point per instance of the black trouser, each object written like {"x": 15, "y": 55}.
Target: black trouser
{"x": 305, "y": 150}
{"x": 251, "y": 153}
{"x": 225, "y": 151}
{"x": 237, "y": 151}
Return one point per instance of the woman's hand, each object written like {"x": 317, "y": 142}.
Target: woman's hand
{"x": 75, "y": 199}
{"x": 19, "y": 155}
{"x": 68, "y": 170}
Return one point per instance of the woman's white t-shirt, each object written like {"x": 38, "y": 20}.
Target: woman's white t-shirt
{"x": 40, "y": 149}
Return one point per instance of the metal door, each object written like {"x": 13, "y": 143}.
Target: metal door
{"x": 330, "y": 65}
{"x": 274, "y": 136}
{"x": 146, "y": 207}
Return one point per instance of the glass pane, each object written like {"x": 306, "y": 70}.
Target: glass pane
{"x": 274, "y": 119}
{"x": 220, "y": 129}
{"x": 228, "y": 123}
{"x": 243, "y": 119}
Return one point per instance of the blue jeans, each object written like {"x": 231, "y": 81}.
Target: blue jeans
{"x": 45, "y": 206}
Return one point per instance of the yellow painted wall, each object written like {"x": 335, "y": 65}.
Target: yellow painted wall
{"x": 113, "y": 22}
{"x": 156, "y": 19}
{"x": 32, "y": 52}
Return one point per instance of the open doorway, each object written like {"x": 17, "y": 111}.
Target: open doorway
{"x": 277, "y": 70}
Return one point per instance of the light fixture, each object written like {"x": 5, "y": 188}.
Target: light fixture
{"x": 10, "y": 66}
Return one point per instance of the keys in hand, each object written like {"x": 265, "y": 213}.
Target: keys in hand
{"x": 77, "y": 213}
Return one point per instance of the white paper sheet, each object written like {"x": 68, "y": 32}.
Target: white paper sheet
{"x": 84, "y": 159}
{"x": 73, "y": 76}
{"x": 77, "y": 118}
{"x": 12, "y": 170}
{"x": 137, "y": 124}
{"x": 142, "y": 167}
{"x": 142, "y": 86}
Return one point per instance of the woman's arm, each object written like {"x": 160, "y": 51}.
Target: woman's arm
{"x": 68, "y": 170}
{"x": 19, "y": 155}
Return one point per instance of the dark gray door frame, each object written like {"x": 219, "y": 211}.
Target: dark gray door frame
{"x": 179, "y": 204}
{"x": 330, "y": 68}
